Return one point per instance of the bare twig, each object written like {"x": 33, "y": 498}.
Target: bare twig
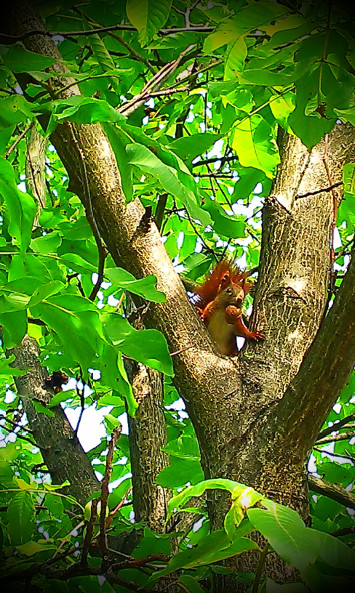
{"x": 154, "y": 84}
{"x": 336, "y": 426}
{"x": 5, "y": 38}
{"x": 333, "y": 491}
{"x": 259, "y": 568}
{"x": 344, "y": 531}
{"x": 18, "y": 139}
{"x": 342, "y": 436}
{"x": 104, "y": 491}
{"x": 19, "y": 436}
{"x": 117, "y": 508}
{"x": 81, "y": 394}
{"x": 160, "y": 210}
{"x": 89, "y": 532}
{"x": 223, "y": 159}
{"x": 348, "y": 457}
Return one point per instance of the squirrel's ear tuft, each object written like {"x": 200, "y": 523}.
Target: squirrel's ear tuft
{"x": 225, "y": 280}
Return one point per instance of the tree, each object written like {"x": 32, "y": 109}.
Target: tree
{"x": 120, "y": 107}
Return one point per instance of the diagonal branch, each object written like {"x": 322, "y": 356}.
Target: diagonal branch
{"x": 333, "y": 491}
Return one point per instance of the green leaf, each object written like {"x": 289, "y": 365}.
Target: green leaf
{"x": 5, "y": 369}
{"x": 119, "y": 148}
{"x": 349, "y": 179}
{"x": 212, "y": 548}
{"x": 167, "y": 177}
{"x": 14, "y": 109}
{"x": 184, "y": 447}
{"x": 248, "y": 18}
{"x": 179, "y": 472}
{"x": 6, "y": 474}
{"x": 19, "y": 59}
{"x": 54, "y": 487}
{"x": 48, "y": 243}
{"x": 14, "y": 327}
{"x": 45, "y": 291}
{"x": 21, "y": 206}
{"x": 177, "y": 502}
{"x": 148, "y": 17}
{"x": 146, "y": 346}
{"x": 145, "y": 287}
{"x": 78, "y": 263}
{"x": 272, "y": 587}
{"x": 20, "y": 515}
{"x": 76, "y": 322}
{"x": 311, "y": 127}
{"x": 286, "y": 532}
{"x": 190, "y": 583}
{"x": 32, "y": 548}
{"x": 347, "y": 114}
{"x": 114, "y": 375}
{"x": 255, "y": 145}
{"x": 189, "y": 147}
{"x": 281, "y": 107}
{"x": 235, "y": 59}
{"x": 242, "y": 499}
{"x": 81, "y": 110}
{"x": 41, "y": 409}
{"x": 231, "y": 226}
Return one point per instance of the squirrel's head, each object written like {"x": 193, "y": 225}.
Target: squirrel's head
{"x": 230, "y": 293}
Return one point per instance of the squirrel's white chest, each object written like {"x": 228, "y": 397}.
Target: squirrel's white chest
{"x": 221, "y": 331}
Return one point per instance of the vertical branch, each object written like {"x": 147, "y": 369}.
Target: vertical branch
{"x": 147, "y": 436}
{"x": 104, "y": 491}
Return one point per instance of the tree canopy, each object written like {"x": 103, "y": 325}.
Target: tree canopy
{"x": 141, "y": 142}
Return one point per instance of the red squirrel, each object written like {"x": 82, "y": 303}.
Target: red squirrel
{"x": 219, "y": 303}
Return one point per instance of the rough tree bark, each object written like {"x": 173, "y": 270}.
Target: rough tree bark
{"x": 60, "y": 448}
{"x": 147, "y": 436}
{"x": 254, "y": 415}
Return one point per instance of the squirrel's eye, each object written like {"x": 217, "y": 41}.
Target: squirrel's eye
{"x": 229, "y": 290}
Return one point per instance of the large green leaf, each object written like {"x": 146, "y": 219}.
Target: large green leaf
{"x": 76, "y": 322}
{"x": 114, "y": 375}
{"x": 167, "y": 178}
{"x": 255, "y": 145}
{"x": 189, "y": 147}
{"x": 148, "y": 17}
{"x": 184, "y": 447}
{"x": 179, "y": 472}
{"x": 214, "y": 547}
{"x": 6, "y": 370}
{"x": 13, "y": 110}
{"x": 21, "y": 206}
{"x": 144, "y": 287}
{"x": 48, "y": 243}
{"x": 235, "y": 58}
{"x": 147, "y": 346}
{"x": 81, "y": 110}
{"x": 178, "y": 501}
{"x": 20, "y": 515}
{"x": 14, "y": 327}
{"x": 286, "y": 532}
{"x": 231, "y": 226}
{"x": 119, "y": 148}
{"x": 248, "y": 18}
{"x": 19, "y": 59}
